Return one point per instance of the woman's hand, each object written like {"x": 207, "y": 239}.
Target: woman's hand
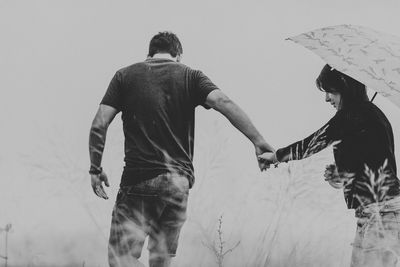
{"x": 335, "y": 179}
{"x": 332, "y": 176}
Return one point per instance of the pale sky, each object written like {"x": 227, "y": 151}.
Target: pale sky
{"x": 57, "y": 58}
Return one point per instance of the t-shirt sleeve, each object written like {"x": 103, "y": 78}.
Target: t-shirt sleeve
{"x": 113, "y": 95}
{"x": 202, "y": 86}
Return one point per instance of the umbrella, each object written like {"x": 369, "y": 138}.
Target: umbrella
{"x": 367, "y": 55}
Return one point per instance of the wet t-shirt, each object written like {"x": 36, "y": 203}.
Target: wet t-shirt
{"x": 157, "y": 99}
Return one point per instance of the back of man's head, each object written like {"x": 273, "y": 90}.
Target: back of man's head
{"x": 165, "y": 42}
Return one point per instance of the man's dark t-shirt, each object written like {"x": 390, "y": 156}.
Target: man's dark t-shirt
{"x": 157, "y": 99}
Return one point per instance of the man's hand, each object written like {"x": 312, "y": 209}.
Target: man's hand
{"x": 266, "y": 159}
{"x": 97, "y": 184}
{"x": 262, "y": 148}
{"x": 335, "y": 179}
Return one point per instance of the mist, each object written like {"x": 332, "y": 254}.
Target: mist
{"x": 57, "y": 58}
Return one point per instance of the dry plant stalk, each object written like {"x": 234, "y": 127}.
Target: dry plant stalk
{"x": 218, "y": 249}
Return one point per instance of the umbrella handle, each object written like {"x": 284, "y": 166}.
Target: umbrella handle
{"x": 374, "y": 96}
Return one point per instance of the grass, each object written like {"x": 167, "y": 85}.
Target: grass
{"x": 261, "y": 211}
{"x": 287, "y": 216}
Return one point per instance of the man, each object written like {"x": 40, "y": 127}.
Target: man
{"x": 157, "y": 99}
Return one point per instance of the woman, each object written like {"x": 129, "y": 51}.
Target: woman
{"x": 365, "y": 166}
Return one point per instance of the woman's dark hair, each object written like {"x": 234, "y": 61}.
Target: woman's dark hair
{"x": 333, "y": 81}
{"x": 165, "y": 42}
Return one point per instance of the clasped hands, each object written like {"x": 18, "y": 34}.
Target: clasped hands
{"x": 267, "y": 159}
{"x": 265, "y": 156}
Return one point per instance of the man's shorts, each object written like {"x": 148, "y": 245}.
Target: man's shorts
{"x": 155, "y": 208}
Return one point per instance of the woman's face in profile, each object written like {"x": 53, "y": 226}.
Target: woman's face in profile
{"x": 335, "y": 99}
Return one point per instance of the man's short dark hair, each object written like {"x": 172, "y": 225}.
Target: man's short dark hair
{"x": 165, "y": 42}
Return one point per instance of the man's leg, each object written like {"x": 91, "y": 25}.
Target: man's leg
{"x": 164, "y": 234}
{"x": 128, "y": 230}
{"x": 160, "y": 261}
{"x": 163, "y": 239}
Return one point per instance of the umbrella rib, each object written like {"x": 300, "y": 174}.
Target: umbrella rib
{"x": 374, "y": 96}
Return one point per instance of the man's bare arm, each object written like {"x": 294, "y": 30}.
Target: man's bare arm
{"x": 238, "y": 118}
{"x": 97, "y": 139}
{"x": 98, "y": 132}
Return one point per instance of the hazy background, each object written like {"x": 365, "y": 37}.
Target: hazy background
{"x": 56, "y": 60}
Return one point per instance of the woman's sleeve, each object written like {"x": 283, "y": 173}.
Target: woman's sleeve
{"x": 314, "y": 143}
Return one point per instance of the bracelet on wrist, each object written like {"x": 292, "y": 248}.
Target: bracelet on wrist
{"x": 95, "y": 171}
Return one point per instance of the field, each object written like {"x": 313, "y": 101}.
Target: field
{"x": 287, "y": 216}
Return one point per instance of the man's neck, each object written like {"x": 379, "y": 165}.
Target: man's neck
{"x": 164, "y": 56}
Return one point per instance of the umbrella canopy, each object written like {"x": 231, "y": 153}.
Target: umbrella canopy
{"x": 368, "y": 56}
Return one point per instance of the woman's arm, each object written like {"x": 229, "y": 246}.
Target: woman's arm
{"x": 306, "y": 147}
{"x": 303, "y": 148}
{"x": 345, "y": 123}
{"x": 332, "y": 131}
